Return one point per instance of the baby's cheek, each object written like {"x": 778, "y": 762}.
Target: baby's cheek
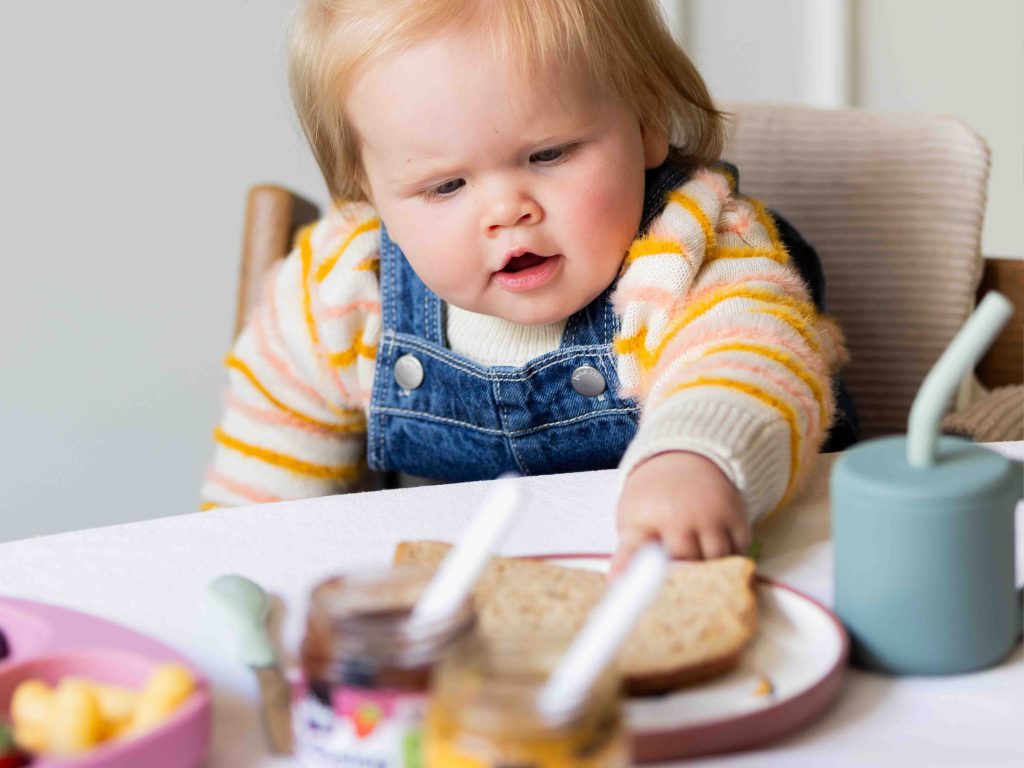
{"x": 607, "y": 218}
{"x": 433, "y": 252}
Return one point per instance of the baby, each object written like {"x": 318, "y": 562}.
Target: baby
{"x": 534, "y": 262}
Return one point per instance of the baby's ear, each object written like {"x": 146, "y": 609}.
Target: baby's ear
{"x": 655, "y": 145}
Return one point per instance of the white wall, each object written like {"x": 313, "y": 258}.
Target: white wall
{"x": 960, "y": 57}
{"x": 130, "y": 133}
{"x": 963, "y": 57}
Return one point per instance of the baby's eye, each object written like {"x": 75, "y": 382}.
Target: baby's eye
{"x": 444, "y": 189}
{"x": 551, "y": 155}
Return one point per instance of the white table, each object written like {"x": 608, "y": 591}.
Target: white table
{"x": 151, "y": 576}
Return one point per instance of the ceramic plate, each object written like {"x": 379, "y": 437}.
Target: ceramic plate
{"x": 800, "y": 651}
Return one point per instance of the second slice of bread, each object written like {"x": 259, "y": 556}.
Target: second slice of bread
{"x": 696, "y": 629}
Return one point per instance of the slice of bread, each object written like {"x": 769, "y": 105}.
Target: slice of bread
{"x": 696, "y": 628}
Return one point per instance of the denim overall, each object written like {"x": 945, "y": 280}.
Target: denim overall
{"x": 436, "y": 414}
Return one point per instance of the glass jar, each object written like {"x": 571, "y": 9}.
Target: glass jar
{"x": 483, "y": 712}
{"x": 366, "y": 670}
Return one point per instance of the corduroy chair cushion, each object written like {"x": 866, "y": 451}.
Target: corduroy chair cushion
{"x": 894, "y": 204}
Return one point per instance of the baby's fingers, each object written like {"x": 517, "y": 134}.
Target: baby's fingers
{"x": 742, "y": 537}
{"x": 681, "y": 543}
{"x": 630, "y": 541}
{"x": 716, "y": 542}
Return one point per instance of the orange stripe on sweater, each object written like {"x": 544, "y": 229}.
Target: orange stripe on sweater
{"x": 650, "y": 246}
{"x": 281, "y": 367}
{"x": 791, "y": 284}
{"x": 795, "y": 321}
{"x": 741, "y": 291}
{"x": 787, "y": 362}
{"x": 693, "y": 207}
{"x": 698, "y": 336}
{"x": 328, "y": 264}
{"x": 241, "y": 367}
{"x": 805, "y": 403}
{"x": 767, "y": 399}
{"x": 306, "y": 254}
{"x": 275, "y": 329}
{"x": 281, "y": 419}
{"x": 636, "y": 344}
{"x": 241, "y": 489}
{"x": 357, "y": 349}
{"x": 341, "y": 472}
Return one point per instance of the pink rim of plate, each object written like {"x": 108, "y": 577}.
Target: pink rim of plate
{"x": 732, "y": 734}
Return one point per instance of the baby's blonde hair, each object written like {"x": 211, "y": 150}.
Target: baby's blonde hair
{"x": 623, "y": 44}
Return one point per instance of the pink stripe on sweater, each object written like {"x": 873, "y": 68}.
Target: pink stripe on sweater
{"x": 738, "y": 224}
{"x": 255, "y": 495}
{"x": 792, "y": 285}
{"x": 718, "y": 185}
{"x": 281, "y": 367}
{"x": 698, "y": 335}
{"x": 812, "y": 434}
{"x": 659, "y": 297}
{"x": 275, "y": 418}
{"x": 316, "y": 308}
{"x": 716, "y": 361}
{"x": 334, "y": 313}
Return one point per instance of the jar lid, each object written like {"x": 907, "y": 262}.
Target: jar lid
{"x": 491, "y": 685}
{"x": 365, "y": 616}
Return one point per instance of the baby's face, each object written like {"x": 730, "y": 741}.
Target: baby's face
{"x": 509, "y": 197}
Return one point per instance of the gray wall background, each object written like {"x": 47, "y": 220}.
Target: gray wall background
{"x": 130, "y": 133}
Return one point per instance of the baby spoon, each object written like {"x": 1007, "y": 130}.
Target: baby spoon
{"x": 247, "y": 607}
{"x": 462, "y": 567}
{"x": 605, "y": 631}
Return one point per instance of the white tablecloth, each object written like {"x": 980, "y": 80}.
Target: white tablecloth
{"x": 152, "y": 576}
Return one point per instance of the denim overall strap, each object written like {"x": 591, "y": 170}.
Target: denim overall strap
{"x": 456, "y": 419}
{"x": 407, "y": 305}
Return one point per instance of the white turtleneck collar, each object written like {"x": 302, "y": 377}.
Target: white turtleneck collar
{"x": 494, "y": 341}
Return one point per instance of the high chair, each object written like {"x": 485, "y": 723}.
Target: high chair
{"x": 893, "y": 204}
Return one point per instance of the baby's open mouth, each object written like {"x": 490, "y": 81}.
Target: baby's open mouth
{"x": 527, "y": 260}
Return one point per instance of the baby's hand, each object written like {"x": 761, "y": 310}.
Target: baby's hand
{"x": 685, "y": 501}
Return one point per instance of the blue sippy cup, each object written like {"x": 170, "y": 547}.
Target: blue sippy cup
{"x": 924, "y": 536}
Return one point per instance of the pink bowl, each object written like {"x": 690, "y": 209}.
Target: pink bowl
{"x": 49, "y": 643}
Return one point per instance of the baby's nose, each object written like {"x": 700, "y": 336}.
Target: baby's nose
{"x": 511, "y": 211}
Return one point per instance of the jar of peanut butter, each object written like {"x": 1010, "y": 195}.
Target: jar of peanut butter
{"x": 367, "y": 669}
{"x": 483, "y": 712}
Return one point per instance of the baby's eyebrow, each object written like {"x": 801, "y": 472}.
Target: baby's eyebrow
{"x": 427, "y": 177}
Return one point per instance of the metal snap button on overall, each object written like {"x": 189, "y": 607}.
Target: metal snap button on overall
{"x": 408, "y": 372}
{"x": 588, "y": 381}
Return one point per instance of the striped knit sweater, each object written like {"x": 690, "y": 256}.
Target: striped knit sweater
{"x": 719, "y": 341}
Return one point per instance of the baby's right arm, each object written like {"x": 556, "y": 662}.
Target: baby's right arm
{"x": 299, "y": 374}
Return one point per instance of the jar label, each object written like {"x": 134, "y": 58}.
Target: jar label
{"x": 361, "y": 728}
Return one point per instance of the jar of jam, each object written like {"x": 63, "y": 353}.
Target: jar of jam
{"x": 367, "y": 668}
{"x": 483, "y": 712}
